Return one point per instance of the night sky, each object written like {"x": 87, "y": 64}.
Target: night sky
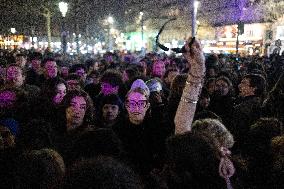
{"x": 25, "y": 15}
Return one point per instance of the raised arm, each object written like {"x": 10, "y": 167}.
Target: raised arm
{"x": 187, "y": 105}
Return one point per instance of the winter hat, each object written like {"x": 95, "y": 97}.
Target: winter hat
{"x": 12, "y": 125}
{"x": 154, "y": 85}
{"x": 139, "y": 83}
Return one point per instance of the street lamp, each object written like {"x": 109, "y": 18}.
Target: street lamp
{"x": 63, "y": 7}
{"x": 194, "y": 15}
{"x": 13, "y": 30}
{"x": 142, "y": 29}
{"x": 110, "y": 21}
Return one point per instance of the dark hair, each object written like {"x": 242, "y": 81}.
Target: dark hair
{"x": 257, "y": 81}
{"x": 20, "y": 54}
{"x": 112, "y": 77}
{"x": 50, "y": 86}
{"x": 101, "y": 173}
{"x": 192, "y": 159}
{"x": 48, "y": 60}
{"x": 93, "y": 143}
{"x": 36, "y": 56}
{"x": 132, "y": 72}
{"x": 35, "y": 135}
{"x": 75, "y": 67}
{"x": 41, "y": 169}
{"x": 88, "y": 119}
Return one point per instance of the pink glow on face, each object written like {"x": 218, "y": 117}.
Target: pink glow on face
{"x": 159, "y": 69}
{"x": 15, "y": 76}
{"x": 137, "y": 106}
{"x": 61, "y": 92}
{"x": 108, "y": 89}
{"x": 75, "y": 113}
{"x": 51, "y": 69}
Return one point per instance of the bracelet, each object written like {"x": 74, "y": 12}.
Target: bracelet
{"x": 188, "y": 100}
{"x": 197, "y": 84}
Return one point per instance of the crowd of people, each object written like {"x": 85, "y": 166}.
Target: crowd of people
{"x": 126, "y": 120}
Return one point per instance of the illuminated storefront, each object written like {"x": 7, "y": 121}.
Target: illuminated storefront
{"x": 11, "y": 41}
{"x": 250, "y": 42}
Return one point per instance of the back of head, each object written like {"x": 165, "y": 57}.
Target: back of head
{"x": 41, "y": 169}
{"x": 213, "y": 128}
{"x": 101, "y": 173}
{"x": 193, "y": 162}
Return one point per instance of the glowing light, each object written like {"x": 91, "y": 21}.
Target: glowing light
{"x": 110, "y": 20}
{"x": 141, "y": 13}
{"x": 63, "y": 7}
{"x": 13, "y": 30}
{"x": 196, "y": 4}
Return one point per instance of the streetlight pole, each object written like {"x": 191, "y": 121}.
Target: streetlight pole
{"x": 110, "y": 22}
{"x": 63, "y": 9}
{"x": 142, "y": 28}
{"x": 193, "y": 17}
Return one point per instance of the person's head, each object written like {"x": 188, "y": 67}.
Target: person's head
{"x": 192, "y": 158}
{"x": 93, "y": 78}
{"x": 260, "y": 134}
{"x": 41, "y": 169}
{"x": 111, "y": 107}
{"x": 73, "y": 82}
{"x": 101, "y": 173}
{"x": 212, "y": 72}
{"x": 111, "y": 81}
{"x": 9, "y": 129}
{"x": 36, "y": 61}
{"x": 50, "y": 68}
{"x": 137, "y": 104}
{"x": 252, "y": 85}
{"x": 80, "y": 70}
{"x": 210, "y": 85}
{"x": 159, "y": 69}
{"x": 78, "y": 108}
{"x": 223, "y": 86}
{"x": 54, "y": 90}
{"x": 14, "y": 76}
{"x": 178, "y": 85}
{"x": 204, "y": 99}
{"x": 21, "y": 60}
{"x": 129, "y": 74}
{"x": 7, "y": 99}
{"x": 170, "y": 75}
{"x": 156, "y": 91}
{"x": 35, "y": 135}
{"x": 64, "y": 71}
{"x": 213, "y": 128}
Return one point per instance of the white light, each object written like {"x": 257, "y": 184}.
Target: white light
{"x": 110, "y": 20}
{"x": 74, "y": 34}
{"x": 141, "y": 13}
{"x": 35, "y": 39}
{"x": 63, "y": 7}
{"x": 196, "y": 4}
{"x": 13, "y": 30}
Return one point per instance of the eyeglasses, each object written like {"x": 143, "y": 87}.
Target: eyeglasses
{"x": 134, "y": 104}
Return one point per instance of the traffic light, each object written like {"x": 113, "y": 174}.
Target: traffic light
{"x": 241, "y": 28}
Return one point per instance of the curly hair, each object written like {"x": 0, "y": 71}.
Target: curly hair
{"x": 214, "y": 129}
{"x": 88, "y": 119}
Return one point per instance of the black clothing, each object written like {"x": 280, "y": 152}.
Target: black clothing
{"x": 223, "y": 107}
{"x": 244, "y": 115}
